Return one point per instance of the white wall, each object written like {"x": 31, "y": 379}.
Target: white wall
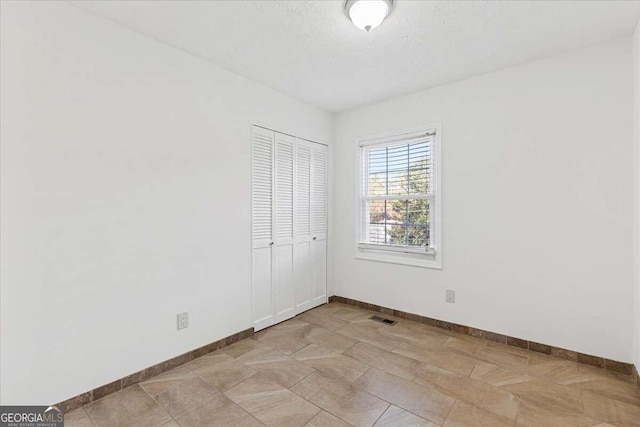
{"x": 125, "y": 199}
{"x": 636, "y": 193}
{"x": 537, "y": 202}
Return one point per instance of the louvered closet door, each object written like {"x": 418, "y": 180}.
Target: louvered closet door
{"x": 284, "y": 292}
{"x": 262, "y": 227}
{"x": 302, "y": 226}
{"x": 319, "y": 209}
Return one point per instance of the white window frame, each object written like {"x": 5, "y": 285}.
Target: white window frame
{"x": 430, "y": 258}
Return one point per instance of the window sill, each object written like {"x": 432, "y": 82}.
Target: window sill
{"x": 415, "y": 260}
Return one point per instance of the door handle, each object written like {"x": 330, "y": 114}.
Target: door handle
{"x": 314, "y": 238}
{"x": 271, "y": 244}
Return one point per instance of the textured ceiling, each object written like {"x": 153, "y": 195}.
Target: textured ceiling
{"x": 311, "y": 51}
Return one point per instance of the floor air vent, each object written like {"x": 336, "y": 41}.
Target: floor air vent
{"x": 383, "y": 320}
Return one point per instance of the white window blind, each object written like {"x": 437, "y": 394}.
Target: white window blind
{"x": 397, "y": 194}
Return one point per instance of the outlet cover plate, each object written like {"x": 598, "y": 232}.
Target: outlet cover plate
{"x": 183, "y": 320}
{"x": 451, "y": 296}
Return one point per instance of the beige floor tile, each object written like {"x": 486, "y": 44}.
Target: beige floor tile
{"x": 503, "y": 356}
{"x": 498, "y": 375}
{"x": 501, "y": 347}
{"x": 398, "y": 417}
{"x": 425, "y": 402}
{"x": 401, "y": 329}
{"x": 366, "y": 321}
{"x": 353, "y": 314}
{"x": 609, "y": 410}
{"x": 480, "y": 394}
{"x": 249, "y": 421}
{"x": 330, "y": 308}
{"x": 553, "y": 370}
{"x": 171, "y": 423}
{"x": 331, "y": 362}
{"x": 285, "y": 373}
{"x": 279, "y": 367}
{"x": 534, "y": 414}
{"x": 445, "y": 359}
{"x": 424, "y": 328}
{"x": 464, "y": 414}
{"x": 570, "y": 373}
{"x": 263, "y": 354}
{"x": 77, "y": 418}
{"x": 221, "y": 371}
{"x": 463, "y": 346}
{"x": 341, "y": 399}
{"x": 280, "y": 341}
{"x": 613, "y": 389}
{"x": 193, "y": 402}
{"x": 325, "y": 419}
{"x": 271, "y": 403}
{"x": 549, "y": 394}
{"x": 393, "y": 363}
{"x": 328, "y": 322}
{"x": 131, "y": 406}
{"x": 599, "y": 373}
{"x": 314, "y": 334}
{"x": 535, "y": 358}
{"x": 368, "y": 335}
{"x": 332, "y": 341}
{"x": 163, "y": 382}
{"x": 480, "y": 342}
{"x": 212, "y": 416}
{"x": 292, "y": 326}
{"x": 240, "y": 348}
{"x": 424, "y": 339}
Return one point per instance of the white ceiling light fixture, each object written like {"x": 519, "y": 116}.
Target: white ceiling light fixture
{"x": 368, "y": 14}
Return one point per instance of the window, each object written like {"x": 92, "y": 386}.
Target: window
{"x": 399, "y": 198}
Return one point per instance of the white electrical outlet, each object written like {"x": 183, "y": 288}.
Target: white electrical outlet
{"x": 183, "y": 320}
{"x": 451, "y": 296}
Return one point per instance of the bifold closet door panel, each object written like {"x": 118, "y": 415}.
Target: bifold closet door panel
{"x": 302, "y": 275}
{"x": 283, "y": 285}
{"x": 319, "y": 209}
{"x": 262, "y": 154}
{"x": 262, "y": 289}
{"x": 318, "y": 272}
{"x": 302, "y": 227}
{"x": 284, "y": 291}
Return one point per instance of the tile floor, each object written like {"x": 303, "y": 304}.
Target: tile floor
{"x": 332, "y": 366}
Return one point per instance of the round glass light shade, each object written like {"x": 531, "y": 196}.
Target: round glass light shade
{"x": 368, "y": 14}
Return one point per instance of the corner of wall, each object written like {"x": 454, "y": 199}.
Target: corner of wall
{"x": 636, "y": 196}
{"x": 331, "y": 287}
